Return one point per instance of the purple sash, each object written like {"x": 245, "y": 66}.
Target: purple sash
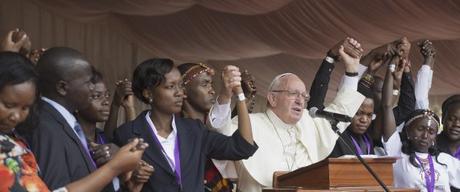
{"x": 429, "y": 176}
{"x": 99, "y": 140}
{"x": 177, "y": 169}
{"x": 358, "y": 148}
{"x": 457, "y": 154}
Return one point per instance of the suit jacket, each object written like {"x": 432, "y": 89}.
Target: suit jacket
{"x": 341, "y": 148}
{"x": 406, "y": 102}
{"x": 196, "y": 143}
{"x": 320, "y": 84}
{"x": 59, "y": 152}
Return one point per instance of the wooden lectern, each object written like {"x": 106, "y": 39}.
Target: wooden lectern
{"x": 337, "y": 174}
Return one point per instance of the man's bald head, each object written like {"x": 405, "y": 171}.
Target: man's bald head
{"x": 65, "y": 77}
{"x": 59, "y": 63}
{"x": 279, "y": 80}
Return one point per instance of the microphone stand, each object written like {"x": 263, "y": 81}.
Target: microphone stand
{"x": 369, "y": 169}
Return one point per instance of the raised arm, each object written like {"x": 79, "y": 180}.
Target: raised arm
{"x": 244, "y": 124}
{"x": 320, "y": 84}
{"x": 16, "y": 41}
{"x": 249, "y": 90}
{"x": 425, "y": 75}
{"x": 387, "y": 118}
{"x": 123, "y": 97}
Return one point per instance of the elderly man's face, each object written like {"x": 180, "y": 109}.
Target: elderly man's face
{"x": 288, "y": 99}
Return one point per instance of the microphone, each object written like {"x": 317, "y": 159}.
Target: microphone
{"x": 315, "y": 112}
{"x": 334, "y": 119}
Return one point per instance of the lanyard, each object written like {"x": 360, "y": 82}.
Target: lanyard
{"x": 99, "y": 140}
{"x": 457, "y": 153}
{"x": 358, "y": 148}
{"x": 429, "y": 176}
{"x": 176, "y": 165}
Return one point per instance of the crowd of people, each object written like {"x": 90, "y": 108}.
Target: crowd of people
{"x": 190, "y": 139}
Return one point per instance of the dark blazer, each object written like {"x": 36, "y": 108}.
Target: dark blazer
{"x": 320, "y": 84}
{"x": 341, "y": 147}
{"x": 406, "y": 102}
{"x": 59, "y": 152}
{"x": 196, "y": 143}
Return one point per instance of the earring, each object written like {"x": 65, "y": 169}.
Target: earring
{"x": 150, "y": 100}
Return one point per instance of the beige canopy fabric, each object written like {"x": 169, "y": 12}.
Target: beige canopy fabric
{"x": 267, "y": 37}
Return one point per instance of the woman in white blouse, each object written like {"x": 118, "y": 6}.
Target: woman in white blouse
{"x": 420, "y": 165}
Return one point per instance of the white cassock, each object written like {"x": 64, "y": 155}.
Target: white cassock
{"x": 284, "y": 147}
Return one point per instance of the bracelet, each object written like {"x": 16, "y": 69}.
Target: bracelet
{"x": 241, "y": 97}
{"x": 395, "y": 92}
{"x": 392, "y": 67}
{"x": 329, "y": 59}
{"x": 351, "y": 74}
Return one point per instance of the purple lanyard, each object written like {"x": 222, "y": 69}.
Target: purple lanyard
{"x": 429, "y": 176}
{"x": 99, "y": 140}
{"x": 457, "y": 154}
{"x": 176, "y": 155}
{"x": 85, "y": 144}
{"x": 90, "y": 156}
{"x": 358, "y": 148}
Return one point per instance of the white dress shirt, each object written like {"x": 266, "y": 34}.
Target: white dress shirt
{"x": 69, "y": 118}
{"x": 167, "y": 143}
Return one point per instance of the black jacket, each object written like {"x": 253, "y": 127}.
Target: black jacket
{"x": 196, "y": 143}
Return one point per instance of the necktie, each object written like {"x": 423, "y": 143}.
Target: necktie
{"x": 82, "y": 137}
{"x": 83, "y": 141}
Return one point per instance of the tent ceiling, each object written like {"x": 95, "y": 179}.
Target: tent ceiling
{"x": 269, "y": 37}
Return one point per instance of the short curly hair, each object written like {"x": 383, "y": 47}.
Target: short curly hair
{"x": 149, "y": 74}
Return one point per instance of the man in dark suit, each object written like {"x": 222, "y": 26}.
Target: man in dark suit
{"x": 58, "y": 141}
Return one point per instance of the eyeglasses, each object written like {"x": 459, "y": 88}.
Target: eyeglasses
{"x": 98, "y": 96}
{"x": 294, "y": 94}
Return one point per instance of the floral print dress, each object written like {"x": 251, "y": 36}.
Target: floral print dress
{"x": 18, "y": 167}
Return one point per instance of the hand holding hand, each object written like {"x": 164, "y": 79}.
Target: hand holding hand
{"x": 231, "y": 83}
{"x": 428, "y": 52}
{"x": 16, "y": 41}
{"x": 351, "y": 61}
{"x": 374, "y": 59}
{"x": 351, "y": 47}
{"x": 128, "y": 156}
{"x": 124, "y": 95}
{"x": 142, "y": 173}
{"x": 35, "y": 55}
{"x": 103, "y": 153}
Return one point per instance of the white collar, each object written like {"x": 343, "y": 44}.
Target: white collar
{"x": 421, "y": 155}
{"x": 69, "y": 118}
{"x": 152, "y": 126}
{"x": 278, "y": 123}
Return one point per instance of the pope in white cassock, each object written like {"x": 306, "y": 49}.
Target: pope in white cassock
{"x": 287, "y": 136}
